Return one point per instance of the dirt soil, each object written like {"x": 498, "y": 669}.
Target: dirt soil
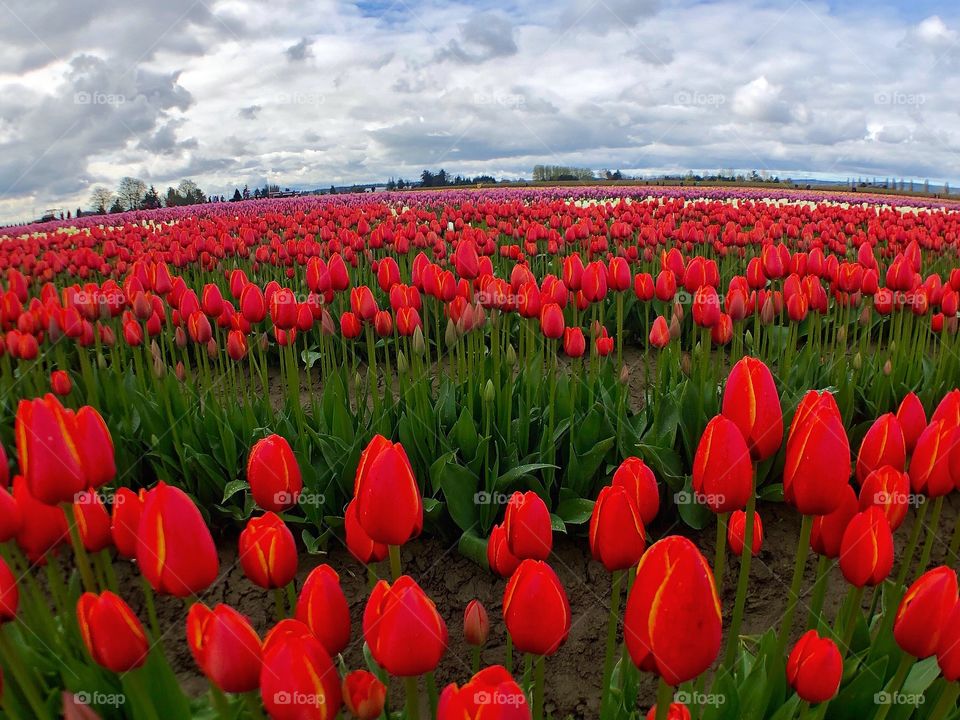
{"x": 574, "y": 673}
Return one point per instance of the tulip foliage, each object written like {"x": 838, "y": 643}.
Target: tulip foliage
{"x": 262, "y": 381}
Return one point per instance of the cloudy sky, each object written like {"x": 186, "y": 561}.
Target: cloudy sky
{"x": 306, "y": 94}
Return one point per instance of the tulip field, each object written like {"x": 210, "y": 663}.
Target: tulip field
{"x": 674, "y": 452}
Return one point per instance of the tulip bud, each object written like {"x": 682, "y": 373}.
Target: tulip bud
{"x": 924, "y": 612}
{"x": 535, "y": 609}
{"x": 499, "y": 558}
{"x": 511, "y": 356}
{"x": 295, "y": 665}
{"x": 491, "y": 693}
{"x": 364, "y": 694}
{"x": 737, "y": 533}
{"x": 617, "y": 536}
{"x": 419, "y": 345}
{"x": 175, "y": 551}
{"x": 722, "y": 469}
{"x": 389, "y": 505}
{"x": 268, "y": 553}
{"x": 866, "y": 550}
{"x": 225, "y": 647}
{"x": 489, "y": 393}
{"x": 60, "y": 382}
{"x": 476, "y": 624}
{"x": 273, "y": 474}
{"x": 9, "y": 594}
{"x": 323, "y": 608}
{"x": 527, "y": 526}
{"x": 113, "y": 635}
{"x": 676, "y": 639}
{"x": 815, "y": 668}
{"x": 641, "y": 485}
{"x": 405, "y": 633}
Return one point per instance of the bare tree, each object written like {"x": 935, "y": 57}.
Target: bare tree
{"x": 131, "y": 192}
{"x": 100, "y": 199}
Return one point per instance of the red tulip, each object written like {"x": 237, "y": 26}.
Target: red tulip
{"x": 92, "y": 438}
{"x": 92, "y": 520}
{"x": 551, "y": 321}
{"x": 672, "y": 624}
{"x": 273, "y": 474}
{"x": 350, "y": 326}
{"x": 268, "y": 553}
{"x": 659, "y": 333}
{"x": 405, "y": 633}
{"x": 476, "y": 624}
{"x": 323, "y": 608}
{"x": 883, "y": 444}
{"x": 930, "y": 465}
{"x": 253, "y": 306}
{"x": 60, "y": 382}
{"x": 298, "y": 680}
{"x": 112, "y": 632}
{"x": 737, "y": 533}
{"x": 389, "y": 505}
{"x": 43, "y": 526}
{"x": 225, "y": 647}
{"x": 888, "y": 488}
{"x": 924, "y": 612}
{"x": 125, "y": 520}
{"x": 912, "y": 418}
{"x": 574, "y": 344}
{"x": 11, "y": 519}
{"x": 617, "y": 537}
{"x": 827, "y": 532}
{"x": 175, "y": 551}
{"x": 364, "y": 694}
{"x": 358, "y": 542}
{"x": 237, "y": 345}
{"x": 722, "y": 469}
{"x": 49, "y": 457}
{"x": 641, "y": 485}
{"x": 815, "y": 668}
{"x": 677, "y": 711}
{"x": 817, "y": 467}
{"x": 499, "y": 558}
{"x": 9, "y": 594}
{"x": 750, "y": 400}
{"x": 535, "y": 609}
{"x": 866, "y": 551}
{"x": 491, "y": 693}
{"x": 362, "y": 303}
{"x": 948, "y": 649}
{"x": 527, "y": 526}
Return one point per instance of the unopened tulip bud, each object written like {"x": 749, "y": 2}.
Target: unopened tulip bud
{"x": 476, "y": 624}
{"x": 402, "y": 365}
{"x": 212, "y": 349}
{"x": 511, "y": 356}
{"x": 451, "y": 336}
{"x": 675, "y": 327}
{"x": 678, "y": 311}
{"x": 685, "y": 365}
{"x": 624, "y": 375}
{"x": 419, "y": 346}
{"x": 180, "y": 337}
{"x": 842, "y": 335}
{"x": 767, "y": 312}
{"x": 887, "y": 367}
{"x": 180, "y": 371}
{"x": 857, "y": 362}
{"x": 865, "y": 316}
{"x": 488, "y": 392}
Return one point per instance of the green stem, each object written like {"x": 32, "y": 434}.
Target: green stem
{"x": 508, "y": 663}
{"x": 79, "y": 551}
{"x": 819, "y": 593}
{"x": 432, "y": 694}
{"x": 907, "y": 560}
{"x": 854, "y": 597}
{"x": 476, "y": 659}
{"x": 612, "y": 622}
{"x": 803, "y": 549}
{"x": 252, "y": 701}
{"x": 947, "y": 701}
{"x": 18, "y": 669}
{"x": 413, "y": 700}
{"x": 665, "y": 697}
{"x": 720, "y": 556}
{"x": 152, "y": 613}
{"x": 931, "y": 535}
{"x": 395, "y": 567}
{"x": 896, "y": 682}
{"x": 538, "y": 683}
{"x": 278, "y": 604}
{"x": 742, "y": 583}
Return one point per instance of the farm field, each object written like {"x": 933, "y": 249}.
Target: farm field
{"x": 490, "y": 453}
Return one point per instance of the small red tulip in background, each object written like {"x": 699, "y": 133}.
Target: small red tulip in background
{"x": 268, "y": 552}
{"x": 737, "y": 532}
{"x": 273, "y": 474}
{"x": 364, "y": 694}
{"x": 641, "y": 484}
{"x": 476, "y": 624}
{"x": 60, "y": 383}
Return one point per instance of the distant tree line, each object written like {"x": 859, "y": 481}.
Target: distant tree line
{"x": 428, "y": 178}
{"x": 133, "y": 194}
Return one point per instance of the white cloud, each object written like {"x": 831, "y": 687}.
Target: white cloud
{"x": 314, "y": 93}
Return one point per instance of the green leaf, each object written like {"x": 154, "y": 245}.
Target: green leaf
{"x": 232, "y": 488}
{"x": 576, "y": 511}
